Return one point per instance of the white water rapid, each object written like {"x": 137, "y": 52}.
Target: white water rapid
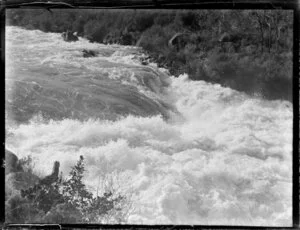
{"x": 188, "y": 152}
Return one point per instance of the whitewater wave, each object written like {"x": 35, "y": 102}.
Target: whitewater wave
{"x": 189, "y": 152}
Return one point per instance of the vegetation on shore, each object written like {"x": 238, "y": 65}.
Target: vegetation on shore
{"x": 247, "y": 50}
{"x": 62, "y": 200}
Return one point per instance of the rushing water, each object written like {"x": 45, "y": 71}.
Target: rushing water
{"x": 188, "y": 152}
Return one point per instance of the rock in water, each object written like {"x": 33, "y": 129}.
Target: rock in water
{"x": 69, "y": 36}
{"x": 89, "y": 53}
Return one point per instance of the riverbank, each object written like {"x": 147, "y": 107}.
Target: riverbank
{"x": 243, "y": 50}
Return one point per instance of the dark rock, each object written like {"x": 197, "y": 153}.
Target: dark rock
{"x": 69, "y": 36}
{"x": 12, "y": 163}
{"x": 89, "y": 53}
{"x": 144, "y": 62}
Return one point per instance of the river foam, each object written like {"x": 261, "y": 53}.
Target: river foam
{"x": 188, "y": 152}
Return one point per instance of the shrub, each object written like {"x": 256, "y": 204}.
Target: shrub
{"x": 190, "y": 20}
{"x": 64, "y": 201}
{"x": 96, "y": 30}
{"x": 164, "y": 19}
{"x": 143, "y": 21}
{"x": 19, "y": 210}
{"x": 154, "y": 39}
{"x": 78, "y": 26}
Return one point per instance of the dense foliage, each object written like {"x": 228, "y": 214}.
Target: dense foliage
{"x": 65, "y": 201}
{"x": 250, "y": 51}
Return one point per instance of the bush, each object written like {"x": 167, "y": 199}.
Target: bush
{"x": 268, "y": 75}
{"x": 95, "y": 29}
{"x": 143, "y": 21}
{"x": 64, "y": 201}
{"x": 19, "y": 210}
{"x": 164, "y": 19}
{"x": 190, "y": 20}
{"x": 154, "y": 40}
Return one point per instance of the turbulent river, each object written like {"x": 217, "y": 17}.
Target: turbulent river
{"x": 187, "y": 152}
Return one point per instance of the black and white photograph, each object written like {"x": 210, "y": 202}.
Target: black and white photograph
{"x": 149, "y": 116}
